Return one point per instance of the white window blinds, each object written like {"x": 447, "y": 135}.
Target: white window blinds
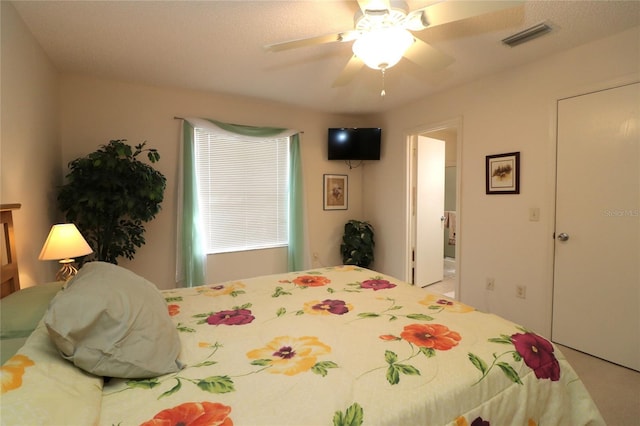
{"x": 243, "y": 190}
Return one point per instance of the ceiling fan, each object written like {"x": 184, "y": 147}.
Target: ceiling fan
{"x": 382, "y": 34}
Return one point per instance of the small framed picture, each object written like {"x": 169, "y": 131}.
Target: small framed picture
{"x": 503, "y": 173}
{"x": 335, "y": 192}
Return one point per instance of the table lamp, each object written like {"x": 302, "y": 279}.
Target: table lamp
{"x": 63, "y": 244}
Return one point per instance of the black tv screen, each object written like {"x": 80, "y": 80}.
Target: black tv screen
{"x": 356, "y": 143}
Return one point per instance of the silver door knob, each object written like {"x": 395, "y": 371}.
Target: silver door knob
{"x": 563, "y": 237}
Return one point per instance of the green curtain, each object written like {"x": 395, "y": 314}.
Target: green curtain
{"x": 296, "y": 208}
{"x": 191, "y": 256}
{"x": 256, "y": 132}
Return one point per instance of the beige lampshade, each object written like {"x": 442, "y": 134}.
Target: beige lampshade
{"x": 64, "y": 242}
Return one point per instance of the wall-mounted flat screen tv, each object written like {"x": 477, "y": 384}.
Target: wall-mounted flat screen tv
{"x": 356, "y": 143}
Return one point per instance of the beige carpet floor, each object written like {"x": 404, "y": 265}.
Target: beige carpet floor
{"x": 614, "y": 389}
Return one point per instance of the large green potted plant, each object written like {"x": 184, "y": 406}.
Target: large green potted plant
{"x": 357, "y": 243}
{"x": 109, "y": 195}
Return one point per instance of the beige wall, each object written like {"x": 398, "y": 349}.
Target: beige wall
{"x": 509, "y": 111}
{"x": 93, "y": 111}
{"x": 505, "y": 112}
{"x": 29, "y": 143}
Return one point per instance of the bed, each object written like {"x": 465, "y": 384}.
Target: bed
{"x": 337, "y": 345}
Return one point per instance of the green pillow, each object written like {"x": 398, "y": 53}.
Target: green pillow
{"x": 20, "y": 312}
{"x": 111, "y": 322}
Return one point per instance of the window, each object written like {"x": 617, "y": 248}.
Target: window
{"x": 243, "y": 190}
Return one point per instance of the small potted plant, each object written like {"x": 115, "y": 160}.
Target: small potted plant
{"x": 357, "y": 243}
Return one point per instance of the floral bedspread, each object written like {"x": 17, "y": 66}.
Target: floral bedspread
{"x": 340, "y": 346}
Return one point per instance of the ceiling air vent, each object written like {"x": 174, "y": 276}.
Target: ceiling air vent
{"x": 527, "y": 35}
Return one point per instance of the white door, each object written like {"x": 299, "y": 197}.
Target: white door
{"x": 596, "y": 301}
{"x": 429, "y": 250}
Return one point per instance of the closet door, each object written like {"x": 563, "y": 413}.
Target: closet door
{"x": 596, "y": 301}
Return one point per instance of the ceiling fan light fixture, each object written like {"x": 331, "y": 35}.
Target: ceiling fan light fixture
{"x": 417, "y": 20}
{"x": 382, "y": 48}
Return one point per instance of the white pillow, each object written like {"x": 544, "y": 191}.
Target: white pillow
{"x": 111, "y": 322}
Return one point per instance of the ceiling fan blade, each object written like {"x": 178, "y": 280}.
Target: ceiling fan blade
{"x": 373, "y": 6}
{"x": 354, "y": 65}
{"x": 450, "y": 11}
{"x": 427, "y": 56}
{"x": 312, "y": 41}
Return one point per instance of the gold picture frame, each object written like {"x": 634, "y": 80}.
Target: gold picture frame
{"x": 336, "y": 190}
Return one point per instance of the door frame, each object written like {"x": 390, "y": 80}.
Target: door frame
{"x": 410, "y": 136}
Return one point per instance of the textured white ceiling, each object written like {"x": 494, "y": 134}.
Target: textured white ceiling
{"x": 219, "y": 45}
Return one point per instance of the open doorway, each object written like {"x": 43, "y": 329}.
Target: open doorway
{"x": 434, "y": 254}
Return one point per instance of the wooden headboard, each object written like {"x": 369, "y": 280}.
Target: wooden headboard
{"x": 9, "y": 273}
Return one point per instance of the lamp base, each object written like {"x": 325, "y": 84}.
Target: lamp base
{"x": 67, "y": 271}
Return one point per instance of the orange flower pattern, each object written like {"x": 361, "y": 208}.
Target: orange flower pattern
{"x": 193, "y": 414}
{"x": 12, "y": 371}
{"x": 433, "y": 336}
{"x": 311, "y": 281}
{"x": 389, "y": 337}
{"x": 173, "y": 310}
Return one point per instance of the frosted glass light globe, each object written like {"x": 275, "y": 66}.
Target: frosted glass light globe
{"x": 382, "y": 48}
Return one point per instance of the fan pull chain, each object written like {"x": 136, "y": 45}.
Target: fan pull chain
{"x": 383, "y": 92}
